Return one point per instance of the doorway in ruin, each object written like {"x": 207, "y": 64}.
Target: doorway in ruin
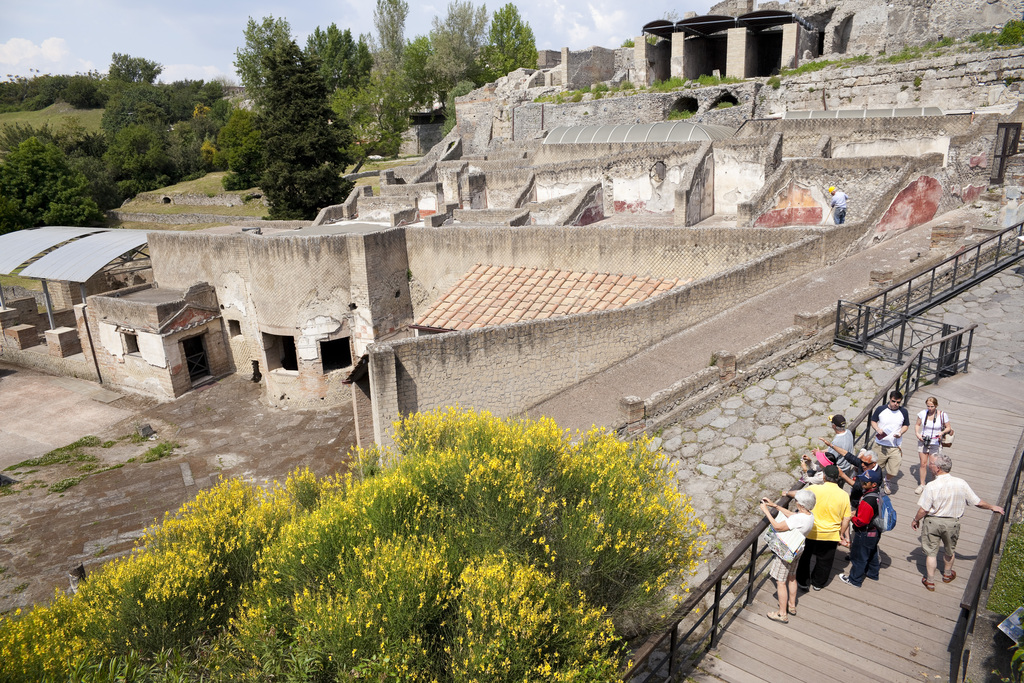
{"x": 198, "y": 365}
{"x": 683, "y": 108}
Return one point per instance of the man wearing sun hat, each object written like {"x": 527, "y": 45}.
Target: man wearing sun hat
{"x": 838, "y": 204}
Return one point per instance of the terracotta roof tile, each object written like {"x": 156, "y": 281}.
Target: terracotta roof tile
{"x": 495, "y": 295}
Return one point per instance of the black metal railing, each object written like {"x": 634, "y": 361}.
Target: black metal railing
{"x": 895, "y": 333}
{"x": 958, "y": 646}
{"x": 859, "y": 324}
{"x": 939, "y": 358}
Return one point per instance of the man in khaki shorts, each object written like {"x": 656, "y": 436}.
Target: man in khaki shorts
{"x": 890, "y": 422}
{"x": 940, "y": 507}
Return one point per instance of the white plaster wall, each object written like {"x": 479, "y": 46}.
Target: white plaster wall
{"x": 110, "y": 340}
{"x": 556, "y": 190}
{"x": 312, "y": 332}
{"x": 427, "y": 203}
{"x": 151, "y": 346}
{"x": 172, "y": 352}
{"x": 913, "y": 147}
{"x": 736, "y": 180}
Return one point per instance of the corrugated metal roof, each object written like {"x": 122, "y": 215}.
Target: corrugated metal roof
{"x": 79, "y": 260}
{"x": 864, "y": 113}
{"x": 663, "y": 131}
{"x": 21, "y": 245}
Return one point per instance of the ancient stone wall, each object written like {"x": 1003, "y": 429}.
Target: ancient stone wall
{"x": 438, "y": 257}
{"x": 955, "y": 81}
{"x": 508, "y": 368}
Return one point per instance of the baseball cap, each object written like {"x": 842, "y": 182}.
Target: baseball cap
{"x": 837, "y": 420}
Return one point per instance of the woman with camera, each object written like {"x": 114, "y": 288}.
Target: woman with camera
{"x": 932, "y": 426}
{"x": 784, "y": 573}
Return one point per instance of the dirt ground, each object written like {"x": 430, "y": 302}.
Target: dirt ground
{"x": 221, "y": 430}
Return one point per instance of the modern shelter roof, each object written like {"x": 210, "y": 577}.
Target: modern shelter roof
{"x": 80, "y": 253}
{"x": 23, "y": 245}
{"x": 704, "y": 26}
{"x": 864, "y": 113}
{"x": 665, "y": 131}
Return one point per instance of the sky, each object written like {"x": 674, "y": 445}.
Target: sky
{"x": 197, "y": 40}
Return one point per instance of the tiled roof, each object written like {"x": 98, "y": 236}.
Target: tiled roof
{"x": 495, "y": 295}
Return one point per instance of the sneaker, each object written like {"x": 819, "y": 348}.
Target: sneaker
{"x": 846, "y": 579}
{"x": 919, "y": 490}
{"x": 817, "y": 588}
{"x": 887, "y": 489}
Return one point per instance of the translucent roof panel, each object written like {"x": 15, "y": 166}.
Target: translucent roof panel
{"x": 864, "y": 113}
{"x": 23, "y": 245}
{"x": 665, "y": 131}
{"x": 81, "y": 259}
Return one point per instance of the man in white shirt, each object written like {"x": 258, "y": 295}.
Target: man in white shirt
{"x": 940, "y": 507}
{"x": 889, "y": 423}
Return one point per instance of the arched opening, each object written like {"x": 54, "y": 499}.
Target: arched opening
{"x": 683, "y": 108}
{"x": 166, "y": 200}
{"x": 841, "y": 35}
{"x": 725, "y": 100}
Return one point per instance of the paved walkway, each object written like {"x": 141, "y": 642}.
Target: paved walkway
{"x": 596, "y": 400}
{"x": 892, "y": 629}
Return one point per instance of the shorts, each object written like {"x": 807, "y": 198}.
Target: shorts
{"x": 889, "y": 459}
{"x": 781, "y": 571}
{"x": 939, "y": 530}
{"x": 931, "y": 447}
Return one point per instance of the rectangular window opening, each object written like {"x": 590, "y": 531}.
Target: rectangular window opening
{"x": 131, "y": 342}
{"x": 336, "y": 354}
{"x": 280, "y": 352}
{"x": 234, "y": 328}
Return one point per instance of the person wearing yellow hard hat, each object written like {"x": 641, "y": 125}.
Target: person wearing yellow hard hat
{"x": 838, "y": 204}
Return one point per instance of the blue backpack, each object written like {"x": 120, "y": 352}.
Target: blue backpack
{"x": 885, "y": 520}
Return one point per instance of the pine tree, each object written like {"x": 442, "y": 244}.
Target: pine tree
{"x": 302, "y": 149}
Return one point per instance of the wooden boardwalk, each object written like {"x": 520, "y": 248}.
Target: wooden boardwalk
{"x": 892, "y": 629}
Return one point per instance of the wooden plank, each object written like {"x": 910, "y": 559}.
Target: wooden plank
{"x": 905, "y": 628}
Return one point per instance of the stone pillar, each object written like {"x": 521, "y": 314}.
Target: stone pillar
{"x": 790, "y": 51}
{"x": 736, "y": 53}
{"x": 677, "y": 64}
{"x": 808, "y": 322}
{"x": 383, "y": 391}
{"x": 640, "y": 61}
{"x": 632, "y": 410}
{"x": 564, "y": 68}
{"x": 726, "y": 365}
{"x": 62, "y": 342}
{"x": 881, "y": 278}
{"x": 362, "y": 409}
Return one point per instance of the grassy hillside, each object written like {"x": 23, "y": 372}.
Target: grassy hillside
{"x": 55, "y": 115}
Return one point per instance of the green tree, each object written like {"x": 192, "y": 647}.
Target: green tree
{"x": 261, "y": 39}
{"x": 303, "y": 158}
{"x": 136, "y": 103}
{"x": 344, "y": 62}
{"x": 422, "y": 89}
{"x": 460, "y": 89}
{"x": 456, "y": 45}
{"x": 241, "y": 145}
{"x": 39, "y": 187}
{"x": 127, "y": 69}
{"x": 83, "y": 92}
{"x": 510, "y": 44}
{"x": 375, "y": 115}
{"x": 389, "y": 20}
{"x": 138, "y": 158}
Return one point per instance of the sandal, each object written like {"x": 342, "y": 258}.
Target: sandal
{"x": 775, "y": 616}
{"x": 792, "y": 611}
{"x": 946, "y": 578}
{"x": 928, "y": 584}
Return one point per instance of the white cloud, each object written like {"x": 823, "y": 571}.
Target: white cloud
{"x": 21, "y": 52}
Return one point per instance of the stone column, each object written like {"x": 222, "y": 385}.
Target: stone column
{"x": 736, "y": 54}
{"x": 383, "y": 391}
{"x": 677, "y": 64}
{"x": 640, "y": 61}
{"x": 790, "y": 54}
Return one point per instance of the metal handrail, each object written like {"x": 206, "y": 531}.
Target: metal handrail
{"x": 1006, "y": 247}
{"x": 978, "y": 580}
{"x": 908, "y": 379}
{"x": 897, "y": 304}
